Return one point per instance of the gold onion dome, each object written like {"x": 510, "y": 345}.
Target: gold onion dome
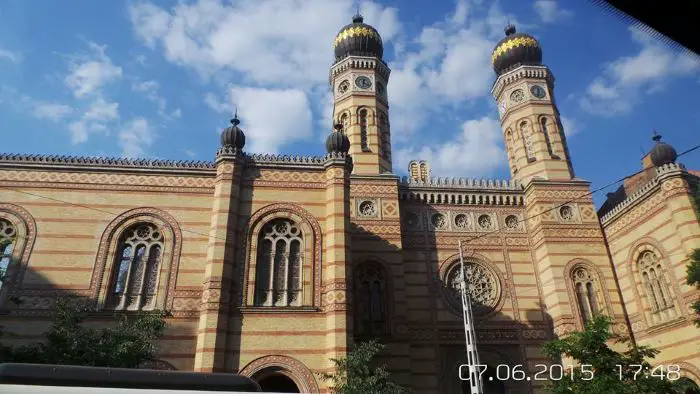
{"x": 358, "y": 39}
{"x": 515, "y": 50}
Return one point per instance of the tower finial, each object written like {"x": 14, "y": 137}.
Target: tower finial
{"x": 656, "y": 136}
{"x": 510, "y": 29}
{"x": 357, "y": 18}
{"x": 235, "y": 120}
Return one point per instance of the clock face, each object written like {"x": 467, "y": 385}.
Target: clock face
{"x": 363, "y": 82}
{"x": 538, "y": 91}
{"x": 517, "y": 96}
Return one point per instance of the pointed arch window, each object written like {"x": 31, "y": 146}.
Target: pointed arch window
{"x": 371, "y": 305}
{"x": 137, "y": 268}
{"x": 278, "y": 276}
{"x": 363, "y": 129}
{"x": 526, "y": 135}
{"x": 8, "y": 239}
{"x": 510, "y": 147}
{"x": 654, "y": 282}
{"x": 587, "y": 292}
{"x": 547, "y": 138}
{"x": 384, "y": 136}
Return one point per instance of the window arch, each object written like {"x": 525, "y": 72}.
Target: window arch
{"x": 363, "y": 129}
{"x": 371, "y": 305}
{"x": 510, "y": 148}
{"x": 8, "y": 239}
{"x": 136, "y": 268}
{"x": 526, "y": 134}
{"x": 345, "y": 121}
{"x": 384, "y": 137}
{"x": 546, "y": 132}
{"x": 654, "y": 283}
{"x": 279, "y": 262}
{"x": 587, "y": 291}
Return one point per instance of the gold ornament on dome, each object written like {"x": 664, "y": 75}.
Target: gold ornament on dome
{"x": 514, "y": 43}
{"x": 360, "y": 31}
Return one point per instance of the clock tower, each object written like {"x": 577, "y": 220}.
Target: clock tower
{"x": 359, "y": 79}
{"x": 532, "y": 128}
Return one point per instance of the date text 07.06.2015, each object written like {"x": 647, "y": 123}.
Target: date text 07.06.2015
{"x": 559, "y": 372}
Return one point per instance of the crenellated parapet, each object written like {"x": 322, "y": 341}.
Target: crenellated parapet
{"x": 101, "y": 163}
{"x": 462, "y": 191}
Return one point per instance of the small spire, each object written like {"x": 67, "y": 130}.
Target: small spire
{"x": 357, "y": 18}
{"x": 338, "y": 127}
{"x": 656, "y": 136}
{"x": 510, "y": 29}
{"x": 235, "y": 120}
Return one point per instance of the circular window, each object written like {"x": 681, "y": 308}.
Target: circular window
{"x": 461, "y": 221}
{"x": 566, "y": 213}
{"x": 481, "y": 283}
{"x": 367, "y": 208}
{"x": 511, "y": 222}
{"x": 438, "y": 220}
{"x": 517, "y": 96}
{"x": 485, "y": 222}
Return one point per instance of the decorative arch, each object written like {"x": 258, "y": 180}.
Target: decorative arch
{"x": 666, "y": 283}
{"x": 363, "y": 119}
{"x": 600, "y": 293}
{"x": 363, "y": 296}
{"x": 311, "y": 259}
{"x": 345, "y": 118}
{"x": 452, "y": 262}
{"x": 24, "y": 236}
{"x": 510, "y": 148}
{"x": 548, "y": 131}
{"x": 283, "y": 365}
{"x": 525, "y": 131}
{"x": 689, "y": 371}
{"x": 103, "y": 273}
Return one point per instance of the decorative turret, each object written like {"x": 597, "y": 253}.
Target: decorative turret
{"x": 662, "y": 153}
{"x": 358, "y": 39}
{"x": 514, "y": 50}
{"x": 233, "y": 136}
{"x": 337, "y": 141}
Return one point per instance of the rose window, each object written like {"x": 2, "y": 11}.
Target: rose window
{"x": 367, "y": 208}
{"x": 482, "y": 285}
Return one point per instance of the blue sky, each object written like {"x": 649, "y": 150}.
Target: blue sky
{"x": 159, "y": 79}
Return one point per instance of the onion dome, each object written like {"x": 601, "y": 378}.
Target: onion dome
{"x": 358, "y": 39}
{"x": 337, "y": 141}
{"x": 233, "y": 135}
{"x": 662, "y": 153}
{"x": 514, "y": 50}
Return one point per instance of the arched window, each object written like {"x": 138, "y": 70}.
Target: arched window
{"x": 278, "y": 278}
{"x": 587, "y": 293}
{"x": 510, "y": 148}
{"x": 654, "y": 282}
{"x": 526, "y": 134}
{"x": 371, "y": 305}
{"x": 137, "y": 268}
{"x": 384, "y": 137}
{"x": 545, "y": 132}
{"x": 363, "y": 129}
{"x": 345, "y": 121}
{"x": 8, "y": 238}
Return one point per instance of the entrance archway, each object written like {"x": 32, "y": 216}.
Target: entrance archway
{"x": 277, "y": 383}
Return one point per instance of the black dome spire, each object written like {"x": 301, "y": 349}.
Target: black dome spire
{"x": 662, "y": 153}
{"x": 337, "y": 141}
{"x": 514, "y": 50}
{"x": 233, "y": 135}
{"x": 358, "y": 38}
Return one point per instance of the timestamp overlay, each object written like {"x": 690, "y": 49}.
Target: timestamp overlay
{"x": 544, "y": 372}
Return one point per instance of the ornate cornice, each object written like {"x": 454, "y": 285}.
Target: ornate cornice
{"x": 522, "y": 72}
{"x": 460, "y": 184}
{"x": 662, "y": 172}
{"x": 359, "y": 62}
{"x": 103, "y": 163}
{"x": 284, "y": 161}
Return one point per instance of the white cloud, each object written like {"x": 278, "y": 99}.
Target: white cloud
{"x": 549, "y": 11}
{"x": 13, "y": 57}
{"x": 89, "y": 73}
{"x": 571, "y": 126}
{"x": 272, "y": 117}
{"x": 52, "y": 111}
{"x": 626, "y": 80}
{"x": 150, "y": 91}
{"x": 270, "y": 42}
{"x": 135, "y": 137}
{"x": 476, "y": 151}
{"x": 101, "y": 110}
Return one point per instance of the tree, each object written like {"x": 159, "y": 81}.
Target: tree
{"x": 354, "y": 373}
{"x": 693, "y": 279}
{"x": 628, "y": 372}
{"x": 128, "y": 344}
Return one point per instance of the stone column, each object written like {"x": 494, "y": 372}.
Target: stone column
{"x": 218, "y": 291}
{"x": 336, "y": 289}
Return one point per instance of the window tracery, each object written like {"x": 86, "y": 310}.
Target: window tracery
{"x": 482, "y": 285}
{"x": 137, "y": 267}
{"x": 278, "y": 279}
{"x": 654, "y": 282}
{"x": 587, "y": 292}
{"x": 371, "y": 306}
{"x": 8, "y": 238}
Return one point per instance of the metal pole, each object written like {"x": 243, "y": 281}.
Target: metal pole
{"x": 475, "y": 383}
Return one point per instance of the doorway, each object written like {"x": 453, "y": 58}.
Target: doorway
{"x": 277, "y": 383}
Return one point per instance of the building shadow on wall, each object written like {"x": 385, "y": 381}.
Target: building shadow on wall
{"x": 27, "y": 311}
{"x": 507, "y": 334}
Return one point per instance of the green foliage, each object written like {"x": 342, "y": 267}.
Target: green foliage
{"x": 693, "y": 279}
{"x": 127, "y": 344}
{"x": 354, "y": 373}
{"x": 590, "y": 348}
